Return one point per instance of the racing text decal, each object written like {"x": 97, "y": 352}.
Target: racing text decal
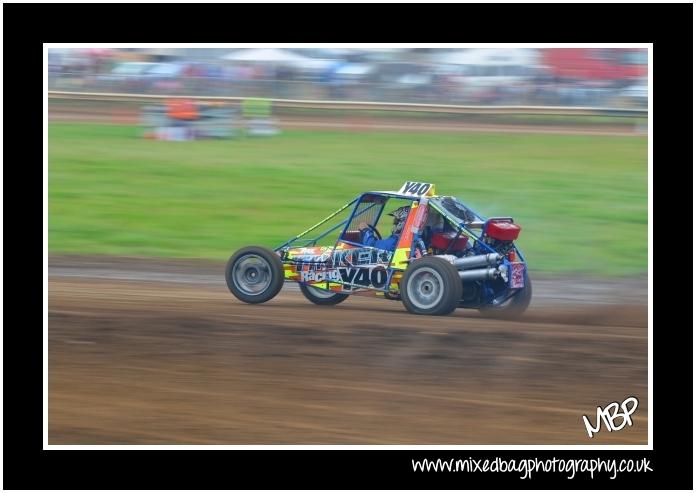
{"x": 352, "y": 268}
{"x": 373, "y": 276}
{"x": 350, "y": 258}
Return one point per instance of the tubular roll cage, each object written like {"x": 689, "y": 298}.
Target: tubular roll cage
{"x": 461, "y": 227}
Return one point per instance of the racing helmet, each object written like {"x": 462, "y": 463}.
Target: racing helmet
{"x": 400, "y": 216}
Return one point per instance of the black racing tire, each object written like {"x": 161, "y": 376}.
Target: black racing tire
{"x": 431, "y": 286}
{"x": 322, "y": 296}
{"x": 514, "y": 307}
{"x": 254, "y": 274}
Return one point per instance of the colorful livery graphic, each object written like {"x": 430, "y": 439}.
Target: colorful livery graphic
{"x": 439, "y": 255}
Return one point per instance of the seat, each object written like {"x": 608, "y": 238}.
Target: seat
{"x": 441, "y": 240}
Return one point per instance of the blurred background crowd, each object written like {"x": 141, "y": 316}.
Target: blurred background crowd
{"x": 605, "y": 78}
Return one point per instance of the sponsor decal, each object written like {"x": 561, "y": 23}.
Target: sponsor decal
{"x": 313, "y": 276}
{"x": 375, "y": 277}
{"x": 420, "y": 218}
{"x": 353, "y": 268}
{"x": 351, "y": 277}
{"x": 516, "y": 275}
{"x": 351, "y": 258}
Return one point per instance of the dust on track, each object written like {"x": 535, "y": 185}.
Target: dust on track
{"x": 152, "y": 362}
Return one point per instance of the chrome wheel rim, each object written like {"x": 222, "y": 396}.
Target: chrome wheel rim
{"x": 425, "y": 288}
{"x": 251, "y": 274}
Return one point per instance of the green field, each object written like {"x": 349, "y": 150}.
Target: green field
{"x": 582, "y": 201}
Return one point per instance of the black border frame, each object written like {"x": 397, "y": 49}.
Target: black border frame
{"x": 27, "y": 26}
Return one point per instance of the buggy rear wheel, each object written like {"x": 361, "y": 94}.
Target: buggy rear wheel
{"x": 322, "y": 296}
{"x": 431, "y": 286}
{"x": 512, "y": 308}
{"x": 254, "y": 274}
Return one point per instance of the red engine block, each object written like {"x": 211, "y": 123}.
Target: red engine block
{"x": 502, "y": 230}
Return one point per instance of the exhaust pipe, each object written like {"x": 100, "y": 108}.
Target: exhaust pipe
{"x": 489, "y": 259}
{"x": 479, "y": 274}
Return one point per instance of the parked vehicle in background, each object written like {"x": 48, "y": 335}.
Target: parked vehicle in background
{"x": 635, "y": 95}
{"x": 126, "y": 76}
{"x": 165, "y": 76}
{"x": 491, "y": 75}
{"x": 399, "y": 81}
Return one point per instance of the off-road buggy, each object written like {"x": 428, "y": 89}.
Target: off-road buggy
{"x": 446, "y": 256}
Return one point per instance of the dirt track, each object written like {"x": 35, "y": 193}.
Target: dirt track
{"x": 180, "y": 361}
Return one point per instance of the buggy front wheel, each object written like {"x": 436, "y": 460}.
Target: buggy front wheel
{"x": 254, "y": 274}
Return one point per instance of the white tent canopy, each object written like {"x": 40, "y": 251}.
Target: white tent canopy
{"x": 355, "y": 69}
{"x": 489, "y": 56}
{"x": 266, "y": 55}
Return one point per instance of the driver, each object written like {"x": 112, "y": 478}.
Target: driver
{"x": 369, "y": 238}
